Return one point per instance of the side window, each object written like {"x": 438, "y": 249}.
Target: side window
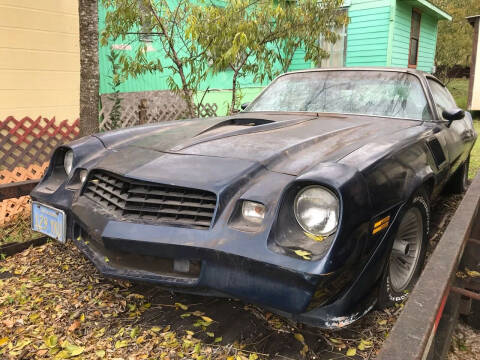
{"x": 442, "y": 97}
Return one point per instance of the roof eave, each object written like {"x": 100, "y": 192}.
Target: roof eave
{"x": 430, "y": 9}
{"x": 472, "y": 19}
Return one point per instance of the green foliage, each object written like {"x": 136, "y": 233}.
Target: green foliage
{"x": 116, "y": 112}
{"x": 165, "y": 19}
{"x": 454, "y": 44}
{"x": 249, "y": 37}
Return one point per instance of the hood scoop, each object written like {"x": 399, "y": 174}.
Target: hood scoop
{"x": 237, "y": 127}
{"x": 233, "y": 125}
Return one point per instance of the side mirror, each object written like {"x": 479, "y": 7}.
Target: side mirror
{"x": 244, "y": 105}
{"x": 453, "y": 114}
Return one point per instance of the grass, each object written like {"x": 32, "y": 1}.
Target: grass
{"x": 459, "y": 90}
{"x": 475, "y": 154}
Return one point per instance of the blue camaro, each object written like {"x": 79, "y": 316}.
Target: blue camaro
{"x": 312, "y": 202}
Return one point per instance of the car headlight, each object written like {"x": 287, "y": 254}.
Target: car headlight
{"x": 68, "y": 161}
{"x": 317, "y": 210}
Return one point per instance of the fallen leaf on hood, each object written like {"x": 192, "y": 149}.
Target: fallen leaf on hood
{"x": 207, "y": 319}
{"x": 181, "y": 306}
{"x": 304, "y": 254}
{"x": 314, "y": 237}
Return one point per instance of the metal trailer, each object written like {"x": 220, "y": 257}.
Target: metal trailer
{"x": 424, "y": 328}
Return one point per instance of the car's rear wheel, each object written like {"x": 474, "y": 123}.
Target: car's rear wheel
{"x": 459, "y": 181}
{"x": 408, "y": 252}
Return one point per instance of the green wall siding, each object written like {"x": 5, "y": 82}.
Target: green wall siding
{"x": 401, "y": 35}
{"x": 428, "y": 43}
{"x": 401, "y": 38}
{"x": 158, "y": 80}
{"x": 368, "y": 32}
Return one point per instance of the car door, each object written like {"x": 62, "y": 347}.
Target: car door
{"x": 459, "y": 135}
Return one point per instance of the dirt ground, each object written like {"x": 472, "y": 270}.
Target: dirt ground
{"x": 53, "y": 303}
{"x": 465, "y": 343}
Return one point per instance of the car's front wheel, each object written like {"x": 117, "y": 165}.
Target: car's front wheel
{"x": 408, "y": 252}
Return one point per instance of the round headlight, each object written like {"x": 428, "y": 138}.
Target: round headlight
{"x": 317, "y": 210}
{"x": 68, "y": 161}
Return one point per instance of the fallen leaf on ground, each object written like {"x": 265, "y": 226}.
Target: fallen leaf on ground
{"x": 300, "y": 338}
{"x": 351, "y": 352}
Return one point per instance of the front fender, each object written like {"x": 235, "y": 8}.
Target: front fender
{"x": 350, "y": 242}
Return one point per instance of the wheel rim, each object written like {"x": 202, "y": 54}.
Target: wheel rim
{"x": 406, "y": 250}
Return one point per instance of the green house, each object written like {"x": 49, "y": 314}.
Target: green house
{"x": 400, "y": 33}
{"x": 394, "y": 33}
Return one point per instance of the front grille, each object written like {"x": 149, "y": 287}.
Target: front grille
{"x": 141, "y": 201}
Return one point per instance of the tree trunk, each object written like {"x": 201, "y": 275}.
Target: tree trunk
{"x": 234, "y": 91}
{"x": 89, "y": 76}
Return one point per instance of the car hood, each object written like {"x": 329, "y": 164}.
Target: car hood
{"x": 287, "y": 143}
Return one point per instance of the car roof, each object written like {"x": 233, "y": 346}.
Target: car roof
{"x": 368, "y": 68}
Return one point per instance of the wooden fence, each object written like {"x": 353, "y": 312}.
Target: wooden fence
{"x": 25, "y": 149}
{"x": 27, "y": 144}
{"x": 149, "y": 107}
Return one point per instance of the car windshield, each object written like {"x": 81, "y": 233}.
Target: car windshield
{"x": 379, "y": 93}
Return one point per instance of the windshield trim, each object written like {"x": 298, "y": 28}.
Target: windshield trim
{"x": 318, "y": 113}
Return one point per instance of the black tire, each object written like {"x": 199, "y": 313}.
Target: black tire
{"x": 419, "y": 208}
{"x": 458, "y": 183}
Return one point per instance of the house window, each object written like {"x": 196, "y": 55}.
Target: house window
{"x": 336, "y": 51}
{"x": 414, "y": 38}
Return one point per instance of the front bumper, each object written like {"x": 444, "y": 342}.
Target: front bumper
{"x": 224, "y": 275}
{"x": 222, "y": 262}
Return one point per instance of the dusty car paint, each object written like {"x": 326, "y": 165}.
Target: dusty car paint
{"x": 372, "y": 163}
